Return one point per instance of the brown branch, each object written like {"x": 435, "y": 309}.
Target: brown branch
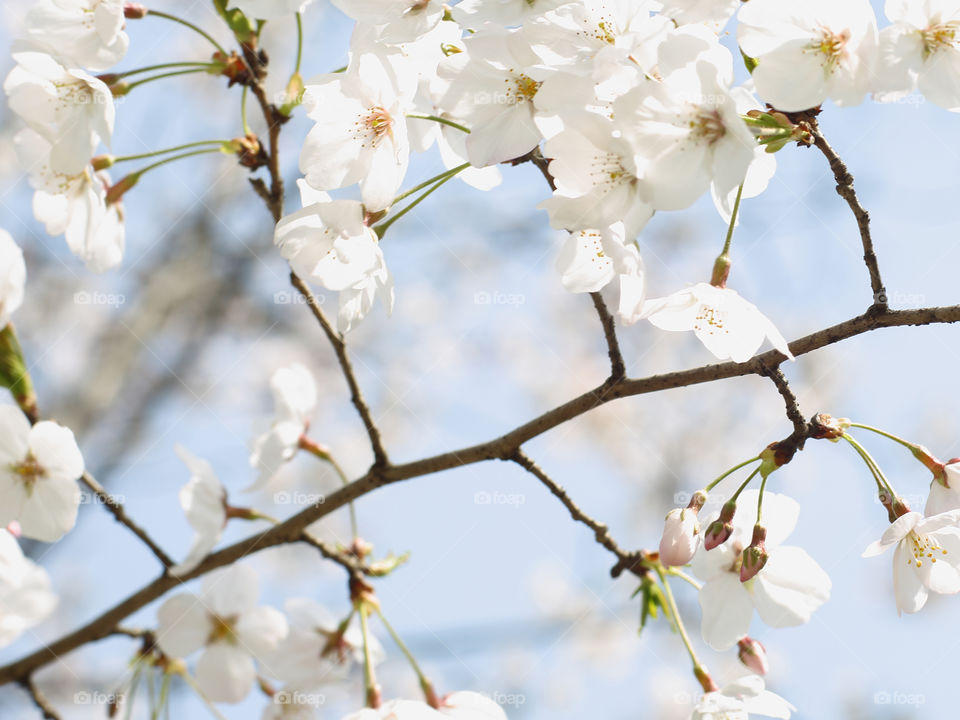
{"x": 117, "y": 510}
{"x": 846, "y": 190}
{"x": 343, "y": 357}
{"x": 43, "y": 705}
{"x": 794, "y": 414}
{"x": 618, "y": 370}
{"x": 503, "y": 447}
{"x": 630, "y": 561}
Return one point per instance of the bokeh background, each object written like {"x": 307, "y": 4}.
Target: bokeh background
{"x": 509, "y": 598}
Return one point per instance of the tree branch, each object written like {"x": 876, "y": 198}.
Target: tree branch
{"x": 794, "y": 414}
{"x": 618, "y": 369}
{"x": 631, "y": 561}
{"x": 343, "y": 357}
{"x": 43, "y": 705}
{"x": 116, "y": 509}
{"x": 503, "y": 447}
{"x": 846, "y": 190}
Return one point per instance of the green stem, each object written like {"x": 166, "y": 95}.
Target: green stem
{"x": 382, "y": 228}
{"x": 148, "y": 168}
{"x": 733, "y": 221}
{"x": 431, "y": 181}
{"x": 677, "y": 620}
{"x": 913, "y": 447}
{"x": 132, "y": 85}
{"x": 732, "y": 470}
{"x": 178, "y": 148}
{"x": 442, "y": 121}
{"x": 369, "y": 678}
{"x": 164, "y": 66}
{"x": 878, "y": 476}
{"x": 683, "y": 576}
{"x": 743, "y": 485}
{"x": 196, "y": 688}
{"x": 243, "y": 110}
{"x": 425, "y": 683}
{"x": 323, "y": 454}
{"x": 185, "y": 23}
{"x": 299, "y": 43}
{"x": 763, "y": 487}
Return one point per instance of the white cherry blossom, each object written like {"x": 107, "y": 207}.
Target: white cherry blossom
{"x": 727, "y": 325}
{"x": 329, "y": 242}
{"x": 926, "y": 557}
{"x": 204, "y": 501}
{"x": 294, "y": 399}
{"x": 13, "y": 277}
{"x": 26, "y": 598}
{"x": 741, "y": 699}
{"x": 681, "y": 536}
{"x": 474, "y": 13}
{"x": 921, "y": 50}
{"x": 39, "y": 468}
{"x": 269, "y": 9}
{"x": 715, "y": 14}
{"x": 785, "y": 592}
{"x": 491, "y": 88}
{"x": 224, "y": 621}
{"x": 596, "y": 177}
{"x": 686, "y": 130}
{"x": 808, "y": 52}
{"x": 74, "y": 205}
{"x": 72, "y": 110}
{"x": 315, "y": 651}
{"x": 360, "y": 133}
{"x": 81, "y": 33}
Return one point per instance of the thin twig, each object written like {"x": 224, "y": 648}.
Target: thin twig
{"x": 343, "y": 357}
{"x": 116, "y": 509}
{"x": 794, "y": 414}
{"x": 625, "y": 560}
{"x": 846, "y": 190}
{"x": 618, "y": 370}
{"x": 43, "y": 705}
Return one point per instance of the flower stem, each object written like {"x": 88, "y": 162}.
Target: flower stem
{"x": 425, "y": 683}
{"x": 165, "y": 66}
{"x": 732, "y": 470}
{"x": 382, "y": 228}
{"x": 178, "y": 148}
{"x": 185, "y": 23}
{"x": 437, "y": 119}
{"x": 743, "y": 485}
{"x": 882, "y": 483}
{"x": 243, "y": 110}
{"x": 296, "y": 69}
{"x": 192, "y": 71}
{"x": 182, "y": 156}
{"x": 912, "y": 447}
{"x": 683, "y": 576}
{"x": 196, "y": 688}
{"x": 369, "y": 677}
{"x": 431, "y": 181}
{"x": 733, "y": 221}
{"x": 763, "y": 487}
{"x": 698, "y": 668}
{"x": 323, "y": 454}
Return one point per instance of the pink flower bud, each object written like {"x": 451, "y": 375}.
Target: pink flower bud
{"x": 753, "y": 655}
{"x": 134, "y": 11}
{"x": 681, "y": 537}
{"x": 14, "y": 529}
{"x": 755, "y": 555}
{"x": 722, "y": 528}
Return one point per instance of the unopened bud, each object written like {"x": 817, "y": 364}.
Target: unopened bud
{"x": 827, "y": 427}
{"x": 703, "y": 677}
{"x": 681, "y": 537}
{"x": 134, "y": 11}
{"x": 102, "y": 162}
{"x": 116, "y": 192}
{"x": 753, "y": 655}
{"x": 755, "y": 555}
{"x": 14, "y": 374}
{"x": 722, "y": 528}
